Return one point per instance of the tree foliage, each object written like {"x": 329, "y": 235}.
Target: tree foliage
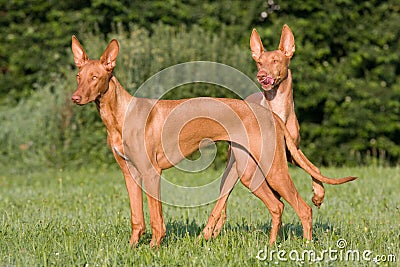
{"x": 347, "y": 89}
{"x": 345, "y": 69}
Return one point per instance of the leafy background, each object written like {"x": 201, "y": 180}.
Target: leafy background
{"x": 346, "y": 70}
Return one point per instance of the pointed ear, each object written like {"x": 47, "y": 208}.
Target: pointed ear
{"x": 286, "y": 44}
{"x": 109, "y": 57}
{"x": 80, "y": 56}
{"x": 256, "y": 45}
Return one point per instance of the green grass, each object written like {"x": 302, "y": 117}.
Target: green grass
{"x": 81, "y": 218}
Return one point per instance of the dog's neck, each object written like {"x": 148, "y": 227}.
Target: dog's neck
{"x": 280, "y": 98}
{"x": 112, "y": 106}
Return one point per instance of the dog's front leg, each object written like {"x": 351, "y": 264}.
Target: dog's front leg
{"x": 152, "y": 188}
{"x": 133, "y": 182}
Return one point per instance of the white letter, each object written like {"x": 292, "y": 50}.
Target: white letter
{"x": 333, "y": 251}
{"x": 366, "y": 255}
{"x": 262, "y": 251}
{"x": 297, "y": 258}
{"x": 355, "y": 255}
{"x": 322, "y": 255}
{"x": 311, "y": 255}
{"x": 281, "y": 253}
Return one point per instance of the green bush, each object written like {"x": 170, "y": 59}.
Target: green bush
{"x": 346, "y": 79}
{"x": 46, "y": 130}
{"x": 346, "y": 70}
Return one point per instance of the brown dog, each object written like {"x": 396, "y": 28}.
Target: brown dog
{"x": 136, "y": 127}
{"x": 275, "y": 78}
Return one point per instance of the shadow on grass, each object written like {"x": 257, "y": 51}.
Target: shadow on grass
{"x": 185, "y": 228}
{"x": 296, "y": 230}
{"x": 182, "y": 228}
{"x": 191, "y": 228}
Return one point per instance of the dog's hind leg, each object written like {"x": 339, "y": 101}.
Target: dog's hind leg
{"x": 281, "y": 182}
{"x": 249, "y": 170}
{"x": 218, "y": 214}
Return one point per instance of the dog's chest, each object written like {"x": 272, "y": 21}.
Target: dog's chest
{"x": 281, "y": 106}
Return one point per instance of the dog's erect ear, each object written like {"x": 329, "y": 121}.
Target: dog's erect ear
{"x": 80, "y": 56}
{"x": 109, "y": 57}
{"x": 286, "y": 44}
{"x": 256, "y": 45}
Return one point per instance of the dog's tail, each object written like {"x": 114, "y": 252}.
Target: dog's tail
{"x": 302, "y": 160}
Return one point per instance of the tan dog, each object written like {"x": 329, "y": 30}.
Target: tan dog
{"x": 142, "y": 153}
{"x": 275, "y": 78}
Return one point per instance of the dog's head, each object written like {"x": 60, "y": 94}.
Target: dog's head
{"x": 272, "y": 65}
{"x": 94, "y": 75}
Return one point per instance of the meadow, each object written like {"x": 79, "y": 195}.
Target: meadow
{"x": 81, "y": 218}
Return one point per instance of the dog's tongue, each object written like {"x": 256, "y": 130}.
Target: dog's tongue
{"x": 268, "y": 80}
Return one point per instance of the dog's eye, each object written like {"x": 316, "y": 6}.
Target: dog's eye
{"x": 94, "y": 77}
{"x": 276, "y": 61}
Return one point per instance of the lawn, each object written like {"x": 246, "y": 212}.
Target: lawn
{"x": 81, "y": 218}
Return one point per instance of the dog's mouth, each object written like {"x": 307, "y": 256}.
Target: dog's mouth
{"x": 267, "y": 83}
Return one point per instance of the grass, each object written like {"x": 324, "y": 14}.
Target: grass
{"x": 81, "y": 218}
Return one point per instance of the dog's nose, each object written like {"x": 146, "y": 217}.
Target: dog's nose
{"x": 261, "y": 75}
{"x": 76, "y": 98}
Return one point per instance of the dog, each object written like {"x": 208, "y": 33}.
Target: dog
{"x": 275, "y": 78}
{"x": 135, "y": 134}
